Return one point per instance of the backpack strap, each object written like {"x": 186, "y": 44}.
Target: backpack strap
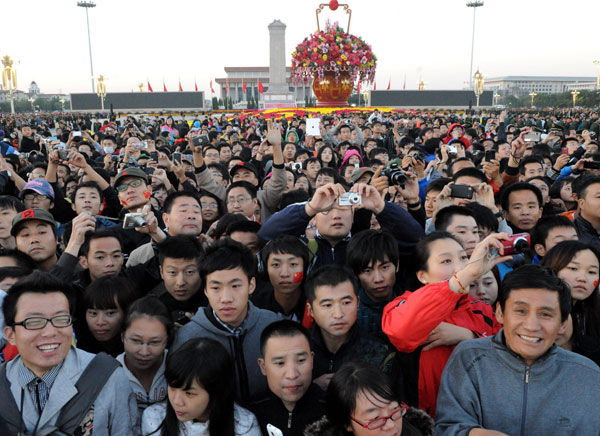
{"x": 89, "y": 385}
{"x": 10, "y": 417}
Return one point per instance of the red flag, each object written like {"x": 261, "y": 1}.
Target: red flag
{"x": 212, "y": 91}
{"x": 149, "y": 87}
{"x": 261, "y": 88}
{"x": 404, "y": 84}
{"x": 374, "y": 86}
{"x": 164, "y": 86}
{"x": 389, "y": 84}
{"x": 195, "y": 85}
{"x": 358, "y": 88}
{"x": 243, "y": 87}
{"x": 226, "y": 86}
{"x": 180, "y": 88}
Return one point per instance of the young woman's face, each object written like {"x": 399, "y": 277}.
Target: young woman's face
{"x": 210, "y": 208}
{"x": 446, "y": 257}
{"x": 302, "y": 183}
{"x": 370, "y": 406}
{"x": 105, "y": 324}
{"x": 189, "y": 404}
{"x": 485, "y": 288}
{"x": 566, "y": 192}
{"x": 144, "y": 342}
{"x": 327, "y": 155}
{"x": 581, "y": 274}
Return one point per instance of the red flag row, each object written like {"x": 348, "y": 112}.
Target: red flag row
{"x": 261, "y": 88}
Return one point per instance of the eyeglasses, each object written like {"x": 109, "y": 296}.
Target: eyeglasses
{"x": 376, "y": 423}
{"x": 134, "y": 184}
{"x": 156, "y": 344}
{"x": 239, "y": 200}
{"x": 38, "y": 323}
{"x": 212, "y": 155}
{"x": 209, "y": 205}
{"x": 38, "y": 197}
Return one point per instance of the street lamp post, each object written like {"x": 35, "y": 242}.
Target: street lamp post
{"x": 575, "y": 94}
{"x": 87, "y": 5}
{"x": 101, "y": 89}
{"x": 478, "y": 89}
{"x": 597, "y": 62}
{"x": 9, "y": 80}
{"x": 31, "y": 100}
{"x": 496, "y": 97}
{"x": 532, "y": 95}
{"x": 473, "y": 4}
{"x": 62, "y": 104}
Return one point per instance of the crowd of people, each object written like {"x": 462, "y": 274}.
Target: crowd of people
{"x": 400, "y": 273}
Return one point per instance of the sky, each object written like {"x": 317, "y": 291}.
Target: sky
{"x": 134, "y": 40}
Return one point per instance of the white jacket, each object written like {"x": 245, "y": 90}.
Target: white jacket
{"x": 245, "y": 422}
{"x": 158, "y": 390}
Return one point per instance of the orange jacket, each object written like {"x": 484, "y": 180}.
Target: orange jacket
{"x": 410, "y": 318}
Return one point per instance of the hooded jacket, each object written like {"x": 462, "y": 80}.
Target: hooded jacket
{"x": 244, "y": 347}
{"x": 449, "y": 136}
{"x": 350, "y": 153}
{"x": 486, "y": 385}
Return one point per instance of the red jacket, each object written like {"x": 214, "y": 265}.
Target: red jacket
{"x": 409, "y": 319}
{"x": 449, "y": 137}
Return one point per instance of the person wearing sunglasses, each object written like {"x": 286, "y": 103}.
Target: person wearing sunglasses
{"x": 361, "y": 401}
{"x": 42, "y": 379}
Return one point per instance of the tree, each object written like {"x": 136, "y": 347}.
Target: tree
{"x": 215, "y": 103}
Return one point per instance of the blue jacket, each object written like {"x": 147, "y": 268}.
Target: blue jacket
{"x": 293, "y": 221}
{"x": 486, "y": 385}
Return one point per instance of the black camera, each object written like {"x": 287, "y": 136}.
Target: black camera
{"x": 395, "y": 175}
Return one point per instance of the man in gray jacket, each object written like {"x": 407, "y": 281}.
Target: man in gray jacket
{"x": 44, "y": 378}
{"x": 227, "y": 273}
{"x": 519, "y": 382}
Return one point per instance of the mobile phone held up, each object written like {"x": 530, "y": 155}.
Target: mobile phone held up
{"x": 177, "y": 157}
{"x": 462, "y": 191}
{"x": 200, "y": 141}
{"x": 490, "y": 155}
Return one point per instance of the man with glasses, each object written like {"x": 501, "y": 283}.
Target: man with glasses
{"x": 39, "y": 384}
{"x": 241, "y": 198}
{"x": 134, "y": 194}
{"x": 38, "y": 194}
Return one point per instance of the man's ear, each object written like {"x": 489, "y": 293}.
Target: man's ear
{"x": 165, "y": 217}
{"x": 261, "y": 363}
{"x": 160, "y": 269}
{"x": 252, "y": 285}
{"x": 540, "y": 250}
{"x": 499, "y": 314}
{"x": 9, "y": 333}
{"x": 83, "y": 262}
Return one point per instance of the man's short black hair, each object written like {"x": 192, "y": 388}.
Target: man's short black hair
{"x": 437, "y": 184}
{"x": 541, "y": 230}
{"x": 37, "y": 282}
{"x": 21, "y": 259}
{"x": 282, "y": 328}
{"x": 521, "y": 186}
{"x": 227, "y": 254}
{"x": 536, "y": 277}
{"x": 328, "y": 275}
{"x": 309, "y": 160}
{"x": 88, "y": 184}
{"x": 245, "y": 226}
{"x": 249, "y": 187}
{"x": 285, "y": 244}
{"x": 221, "y": 168}
{"x": 584, "y": 182}
{"x": 378, "y": 150}
{"x": 10, "y": 202}
{"x": 470, "y": 172}
{"x": 368, "y": 247}
{"x": 99, "y": 234}
{"x": 180, "y": 247}
{"x": 168, "y": 204}
{"x": 529, "y": 160}
{"x": 484, "y": 217}
{"x": 445, "y": 215}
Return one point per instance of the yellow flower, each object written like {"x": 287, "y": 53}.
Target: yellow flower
{"x": 315, "y": 49}
{"x": 343, "y": 57}
{"x": 324, "y": 57}
{"x": 304, "y": 64}
{"x": 339, "y": 63}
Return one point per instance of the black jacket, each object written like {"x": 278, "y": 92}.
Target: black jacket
{"x": 309, "y": 409}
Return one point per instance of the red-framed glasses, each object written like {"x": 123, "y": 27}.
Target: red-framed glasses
{"x": 376, "y": 423}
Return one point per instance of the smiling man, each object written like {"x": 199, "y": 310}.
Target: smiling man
{"x": 287, "y": 361}
{"x": 35, "y": 234}
{"x": 42, "y": 379}
{"x": 544, "y": 389}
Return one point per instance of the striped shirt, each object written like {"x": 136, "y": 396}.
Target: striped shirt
{"x": 38, "y": 387}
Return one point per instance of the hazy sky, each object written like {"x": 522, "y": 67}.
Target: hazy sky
{"x": 135, "y": 40}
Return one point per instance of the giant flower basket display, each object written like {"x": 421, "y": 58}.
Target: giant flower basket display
{"x": 334, "y": 60}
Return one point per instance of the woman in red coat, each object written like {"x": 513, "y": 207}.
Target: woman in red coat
{"x": 439, "y": 315}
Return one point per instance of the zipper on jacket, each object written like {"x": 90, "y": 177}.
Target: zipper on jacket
{"x": 524, "y": 412}
{"x": 331, "y": 365}
{"x": 333, "y": 253}
{"x": 289, "y": 419}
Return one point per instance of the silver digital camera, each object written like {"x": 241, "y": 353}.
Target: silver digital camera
{"x": 350, "y": 199}
{"x": 133, "y": 220}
